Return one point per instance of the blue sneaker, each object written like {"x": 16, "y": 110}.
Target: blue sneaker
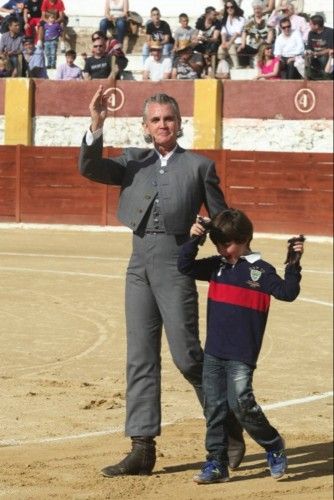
{"x": 278, "y": 463}
{"x": 212, "y": 471}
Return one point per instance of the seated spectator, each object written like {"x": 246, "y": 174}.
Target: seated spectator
{"x": 232, "y": 27}
{"x": 13, "y": 10}
{"x": 208, "y": 35}
{"x": 11, "y": 45}
{"x": 116, "y": 12}
{"x": 69, "y": 70}
{"x": 157, "y": 67}
{"x": 52, "y": 32}
{"x": 184, "y": 31}
{"x": 289, "y": 44}
{"x": 223, "y": 70}
{"x": 255, "y": 33}
{"x": 287, "y": 9}
{"x": 318, "y": 48}
{"x": 6, "y": 69}
{"x": 298, "y": 5}
{"x": 33, "y": 60}
{"x": 99, "y": 65}
{"x": 267, "y": 5}
{"x": 32, "y": 14}
{"x": 57, "y": 8}
{"x": 268, "y": 65}
{"x": 187, "y": 64}
{"x": 158, "y": 30}
{"x": 113, "y": 49}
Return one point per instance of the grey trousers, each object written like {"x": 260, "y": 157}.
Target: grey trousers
{"x": 158, "y": 295}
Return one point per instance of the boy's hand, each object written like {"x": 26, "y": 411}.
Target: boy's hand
{"x": 295, "y": 249}
{"x": 197, "y": 230}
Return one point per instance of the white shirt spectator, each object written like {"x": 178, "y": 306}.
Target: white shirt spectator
{"x": 157, "y": 69}
{"x": 297, "y": 23}
{"x": 231, "y": 28}
{"x": 289, "y": 46}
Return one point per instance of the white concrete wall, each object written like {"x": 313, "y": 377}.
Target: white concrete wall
{"x": 238, "y": 134}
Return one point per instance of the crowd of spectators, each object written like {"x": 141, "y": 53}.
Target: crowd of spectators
{"x": 277, "y": 40}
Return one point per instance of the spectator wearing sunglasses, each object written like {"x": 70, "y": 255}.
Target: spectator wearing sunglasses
{"x": 298, "y": 23}
{"x": 99, "y": 65}
{"x": 288, "y": 46}
{"x": 233, "y": 23}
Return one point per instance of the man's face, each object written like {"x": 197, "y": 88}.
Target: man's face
{"x": 14, "y": 28}
{"x": 185, "y": 54}
{"x": 162, "y": 125}
{"x": 184, "y": 22}
{"x": 28, "y": 47}
{"x": 155, "y": 16}
{"x": 156, "y": 54}
{"x": 99, "y": 47}
{"x": 314, "y": 27}
{"x": 258, "y": 10}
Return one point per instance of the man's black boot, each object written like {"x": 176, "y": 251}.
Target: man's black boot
{"x": 236, "y": 443}
{"x": 140, "y": 461}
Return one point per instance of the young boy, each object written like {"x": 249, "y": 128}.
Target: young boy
{"x": 241, "y": 284}
{"x": 69, "y": 70}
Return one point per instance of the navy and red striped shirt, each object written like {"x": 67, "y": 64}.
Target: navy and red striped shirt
{"x": 238, "y": 299}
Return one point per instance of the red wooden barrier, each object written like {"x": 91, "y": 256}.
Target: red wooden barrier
{"x": 281, "y": 192}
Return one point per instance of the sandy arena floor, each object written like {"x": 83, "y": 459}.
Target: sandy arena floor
{"x": 62, "y": 378}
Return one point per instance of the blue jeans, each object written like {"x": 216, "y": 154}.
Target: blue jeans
{"x": 50, "y": 48}
{"x": 120, "y": 25}
{"x": 228, "y": 384}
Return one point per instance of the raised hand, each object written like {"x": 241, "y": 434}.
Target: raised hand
{"x": 98, "y": 108}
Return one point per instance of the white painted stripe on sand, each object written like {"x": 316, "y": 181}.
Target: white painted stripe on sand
{"x": 113, "y": 430}
{"x": 61, "y": 256}
{"x": 122, "y": 229}
{"x": 66, "y": 273}
{"x": 116, "y": 259}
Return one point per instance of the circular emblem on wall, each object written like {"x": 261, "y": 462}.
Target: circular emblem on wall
{"x": 115, "y": 98}
{"x": 305, "y": 100}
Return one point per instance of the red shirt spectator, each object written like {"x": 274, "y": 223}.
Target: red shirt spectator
{"x": 56, "y": 6}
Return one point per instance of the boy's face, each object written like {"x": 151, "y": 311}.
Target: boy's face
{"x": 184, "y": 22}
{"x": 70, "y": 59}
{"x": 232, "y": 251}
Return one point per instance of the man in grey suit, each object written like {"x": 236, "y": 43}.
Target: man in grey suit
{"x": 162, "y": 190}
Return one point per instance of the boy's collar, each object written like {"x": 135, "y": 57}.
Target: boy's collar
{"x": 250, "y": 257}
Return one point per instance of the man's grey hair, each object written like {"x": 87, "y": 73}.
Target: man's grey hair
{"x": 257, "y": 3}
{"x": 162, "y": 99}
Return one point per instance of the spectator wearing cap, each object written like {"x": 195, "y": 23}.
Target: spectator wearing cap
{"x": 288, "y": 45}
{"x": 33, "y": 60}
{"x": 157, "y": 67}
{"x": 187, "y": 64}
{"x": 298, "y": 23}
{"x": 11, "y": 45}
{"x": 158, "y": 30}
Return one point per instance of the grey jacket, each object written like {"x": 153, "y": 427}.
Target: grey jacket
{"x": 189, "y": 181}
